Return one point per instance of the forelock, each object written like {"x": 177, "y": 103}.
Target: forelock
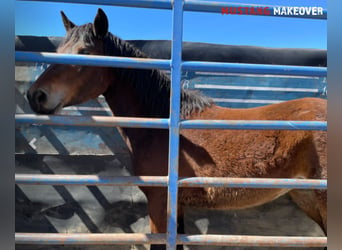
{"x": 83, "y": 33}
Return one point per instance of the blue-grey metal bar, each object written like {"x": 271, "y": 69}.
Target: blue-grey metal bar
{"x": 90, "y": 180}
{"x": 146, "y": 63}
{"x": 255, "y": 125}
{"x": 109, "y": 121}
{"x": 252, "y": 241}
{"x": 196, "y": 5}
{"x": 162, "y": 181}
{"x": 252, "y": 183}
{"x": 175, "y": 99}
{"x": 88, "y": 238}
{"x": 138, "y": 238}
{"x": 99, "y": 121}
{"x": 245, "y": 68}
{"x": 87, "y": 60}
{"x": 155, "y": 4}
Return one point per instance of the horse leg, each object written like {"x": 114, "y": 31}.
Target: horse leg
{"x": 157, "y": 204}
{"x": 321, "y": 172}
{"x": 322, "y": 207}
{"x": 180, "y": 226}
{"x": 314, "y": 208}
{"x": 314, "y": 202}
{"x": 157, "y": 200}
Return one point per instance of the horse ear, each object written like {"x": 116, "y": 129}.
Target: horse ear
{"x": 67, "y": 23}
{"x": 100, "y": 24}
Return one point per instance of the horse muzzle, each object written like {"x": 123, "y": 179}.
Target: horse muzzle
{"x": 39, "y": 102}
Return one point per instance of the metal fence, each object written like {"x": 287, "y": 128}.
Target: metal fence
{"x": 174, "y": 124}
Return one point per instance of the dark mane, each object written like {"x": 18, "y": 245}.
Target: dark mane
{"x": 152, "y": 85}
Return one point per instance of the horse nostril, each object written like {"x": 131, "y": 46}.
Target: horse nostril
{"x": 40, "y": 103}
{"x": 40, "y": 97}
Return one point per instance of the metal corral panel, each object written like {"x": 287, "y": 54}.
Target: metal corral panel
{"x": 77, "y": 208}
{"x": 246, "y": 91}
{"x": 92, "y": 209}
{"x": 229, "y": 90}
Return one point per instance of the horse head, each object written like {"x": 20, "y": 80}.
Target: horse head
{"x": 64, "y": 85}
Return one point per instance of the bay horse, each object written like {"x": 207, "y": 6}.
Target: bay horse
{"x": 203, "y": 152}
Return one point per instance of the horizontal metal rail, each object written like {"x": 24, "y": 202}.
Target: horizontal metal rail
{"x": 147, "y": 63}
{"x": 90, "y": 121}
{"x": 111, "y": 121}
{"x": 253, "y": 125}
{"x": 92, "y": 60}
{"x": 189, "y": 5}
{"x": 90, "y": 180}
{"x": 138, "y": 238}
{"x": 162, "y": 181}
{"x": 252, "y": 182}
{"x": 248, "y": 68}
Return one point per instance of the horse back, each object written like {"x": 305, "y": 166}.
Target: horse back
{"x": 255, "y": 153}
{"x": 311, "y": 109}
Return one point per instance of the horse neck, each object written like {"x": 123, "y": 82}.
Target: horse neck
{"x": 135, "y": 92}
{"x": 125, "y": 103}
{"x": 143, "y": 93}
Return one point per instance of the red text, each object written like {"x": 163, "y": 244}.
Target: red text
{"x": 245, "y": 11}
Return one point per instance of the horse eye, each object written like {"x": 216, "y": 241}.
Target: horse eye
{"x": 84, "y": 52}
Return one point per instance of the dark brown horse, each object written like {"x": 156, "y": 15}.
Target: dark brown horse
{"x": 215, "y": 153}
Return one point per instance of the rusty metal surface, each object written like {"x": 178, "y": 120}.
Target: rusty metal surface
{"x": 253, "y": 241}
{"x": 111, "y": 121}
{"x": 90, "y": 121}
{"x": 91, "y": 180}
{"x": 137, "y": 238}
{"x": 88, "y": 239}
{"x": 162, "y": 181}
{"x": 252, "y": 183}
{"x": 258, "y": 125}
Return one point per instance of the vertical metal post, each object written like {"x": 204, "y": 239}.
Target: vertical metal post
{"x": 175, "y": 98}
